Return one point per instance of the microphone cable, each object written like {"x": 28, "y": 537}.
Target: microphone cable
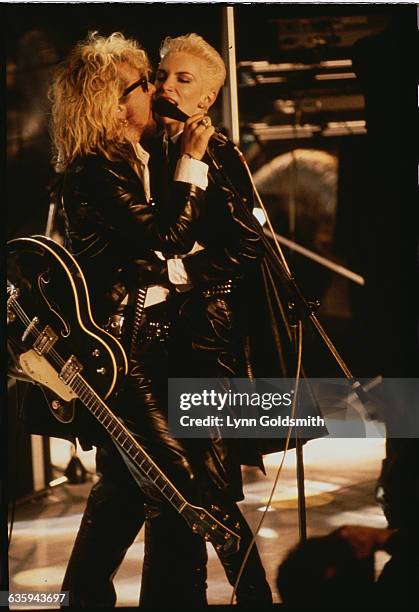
{"x": 299, "y": 342}
{"x": 281, "y": 465}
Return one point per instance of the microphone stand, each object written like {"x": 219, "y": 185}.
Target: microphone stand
{"x": 300, "y": 311}
{"x": 303, "y": 309}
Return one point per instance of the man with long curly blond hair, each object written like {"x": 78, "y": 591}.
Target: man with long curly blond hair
{"x": 101, "y": 106}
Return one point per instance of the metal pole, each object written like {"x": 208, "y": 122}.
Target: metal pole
{"x": 327, "y": 263}
{"x": 230, "y": 105}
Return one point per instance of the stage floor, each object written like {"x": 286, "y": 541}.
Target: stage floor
{"x": 340, "y": 478}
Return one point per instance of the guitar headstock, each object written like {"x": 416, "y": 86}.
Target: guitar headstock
{"x": 225, "y": 540}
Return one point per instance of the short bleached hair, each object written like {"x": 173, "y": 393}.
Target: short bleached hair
{"x": 198, "y": 47}
{"x": 85, "y": 93}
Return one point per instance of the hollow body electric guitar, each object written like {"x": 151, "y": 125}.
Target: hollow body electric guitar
{"x": 59, "y": 346}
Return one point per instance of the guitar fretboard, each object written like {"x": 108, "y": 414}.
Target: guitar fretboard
{"x": 126, "y": 441}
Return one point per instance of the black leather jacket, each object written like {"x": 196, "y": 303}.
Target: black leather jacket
{"x": 232, "y": 246}
{"x": 113, "y": 231}
{"x": 214, "y": 329}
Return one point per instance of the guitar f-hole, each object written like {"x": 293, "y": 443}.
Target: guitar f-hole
{"x": 45, "y": 279}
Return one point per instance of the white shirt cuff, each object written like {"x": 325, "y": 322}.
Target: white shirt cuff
{"x": 155, "y": 294}
{"x": 189, "y": 170}
{"x": 176, "y": 272}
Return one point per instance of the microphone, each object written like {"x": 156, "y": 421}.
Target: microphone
{"x": 164, "y": 108}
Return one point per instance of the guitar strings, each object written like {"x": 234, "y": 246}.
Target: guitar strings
{"x": 79, "y": 385}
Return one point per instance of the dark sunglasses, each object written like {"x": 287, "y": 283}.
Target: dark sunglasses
{"x": 143, "y": 83}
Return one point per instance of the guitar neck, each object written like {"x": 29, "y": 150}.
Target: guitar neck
{"x": 127, "y": 442}
{"x": 102, "y": 413}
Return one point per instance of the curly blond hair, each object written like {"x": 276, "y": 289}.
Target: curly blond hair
{"x": 85, "y": 92}
{"x": 197, "y": 46}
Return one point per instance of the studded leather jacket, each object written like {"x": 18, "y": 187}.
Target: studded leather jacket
{"x": 213, "y": 321}
{"x": 232, "y": 247}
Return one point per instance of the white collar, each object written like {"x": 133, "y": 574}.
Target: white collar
{"x": 173, "y": 139}
{"x": 141, "y": 153}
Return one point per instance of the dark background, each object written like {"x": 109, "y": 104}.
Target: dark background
{"x": 376, "y": 219}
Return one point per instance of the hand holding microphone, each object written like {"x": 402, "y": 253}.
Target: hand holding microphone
{"x": 164, "y": 108}
{"x": 196, "y": 135}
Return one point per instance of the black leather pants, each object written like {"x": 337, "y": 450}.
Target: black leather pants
{"x": 174, "y": 567}
{"x": 169, "y": 554}
{"x": 174, "y": 564}
{"x": 253, "y": 588}
{"x": 115, "y": 508}
{"x": 113, "y": 517}
{"x": 207, "y": 342}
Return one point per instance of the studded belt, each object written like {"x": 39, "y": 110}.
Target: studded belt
{"x": 157, "y": 331}
{"x": 219, "y": 290}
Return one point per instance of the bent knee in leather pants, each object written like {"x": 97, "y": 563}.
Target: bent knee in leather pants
{"x": 185, "y": 554}
{"x": 113, "y": 517}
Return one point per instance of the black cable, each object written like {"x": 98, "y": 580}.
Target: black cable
{"x": 280, "y": 266}
{"x": 281, "y": 465}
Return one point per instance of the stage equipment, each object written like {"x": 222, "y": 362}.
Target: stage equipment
{"x": 230, "y": 107}
{"x": 306, "y": 76}
{"x": 341, "y": 270}
{"x": 321, "y": 99}
{"x": 323, "y": 35}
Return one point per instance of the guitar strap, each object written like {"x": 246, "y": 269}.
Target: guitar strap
{"x": 139, "y": 302}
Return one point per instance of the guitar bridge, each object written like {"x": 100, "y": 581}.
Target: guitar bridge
{"x": 45, "y": 341}
{"x": 69, "y": 370}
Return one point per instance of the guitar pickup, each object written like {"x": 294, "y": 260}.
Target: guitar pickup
{"x": 71, "y": 367}
{"x": 45, "y": 341}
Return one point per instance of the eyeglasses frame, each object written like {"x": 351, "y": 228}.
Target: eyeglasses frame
{"x": 142, "y": 82}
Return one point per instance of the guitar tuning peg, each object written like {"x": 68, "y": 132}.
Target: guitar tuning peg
{"x": 237, "y": 525}
{"x": 194, "y": 527}
{"x": 213, "y": 527}
{"x": 226, "y": 517}
{"x": 214, "y": 507}
{"x": 206, "y": 537}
